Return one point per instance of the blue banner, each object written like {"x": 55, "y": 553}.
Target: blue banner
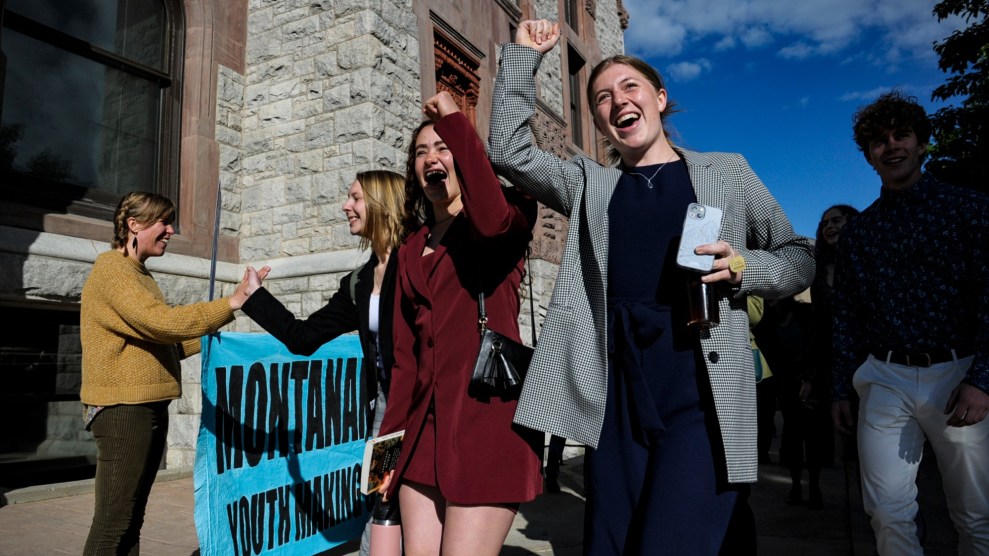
{"x": 278, "y": 459}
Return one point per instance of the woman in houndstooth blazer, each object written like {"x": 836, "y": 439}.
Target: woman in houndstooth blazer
{"x": 669, "y": 414}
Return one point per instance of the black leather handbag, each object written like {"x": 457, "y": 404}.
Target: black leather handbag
{"x": 501, "y": 362}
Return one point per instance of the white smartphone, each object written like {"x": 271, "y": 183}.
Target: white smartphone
{"x": 702, "y": 225}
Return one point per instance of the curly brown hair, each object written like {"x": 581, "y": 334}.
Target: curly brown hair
{"x": 891, "y": 111}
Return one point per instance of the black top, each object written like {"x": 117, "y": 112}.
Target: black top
{"x": 650, "y": 345}
{"x": 340, "y": 315}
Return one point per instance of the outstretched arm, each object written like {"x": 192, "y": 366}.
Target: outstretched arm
{"x": 489, "y": 213}
{"x": 553, "y": 182}
{"x": 301, "y": 336}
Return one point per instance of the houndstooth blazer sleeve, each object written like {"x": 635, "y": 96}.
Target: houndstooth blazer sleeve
{"x": 564, "y": 392}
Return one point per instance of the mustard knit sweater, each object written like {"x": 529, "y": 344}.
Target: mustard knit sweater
{"x": 132, "y": 340}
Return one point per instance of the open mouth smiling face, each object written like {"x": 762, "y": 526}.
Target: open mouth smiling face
{"x": 434, "y": 166}
{"x": 627, "y": 110}
{"x": 435, "y": 177}
{"x": 626, "y": 120}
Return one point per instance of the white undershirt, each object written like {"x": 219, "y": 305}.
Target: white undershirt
{"x": 373, "y": 313}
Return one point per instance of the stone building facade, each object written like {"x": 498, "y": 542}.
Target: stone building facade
{"x": 268, "y": 110}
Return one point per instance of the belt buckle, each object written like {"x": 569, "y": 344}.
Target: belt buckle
{"x": 926, "y": 356}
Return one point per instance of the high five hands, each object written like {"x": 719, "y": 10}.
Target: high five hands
{"x": 249, "y": 284}
{"x": 541, "y": 35}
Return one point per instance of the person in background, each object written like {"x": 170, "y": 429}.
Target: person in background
{"x": 365, "y": 301}
{"x": 816, "y": 384}
{"x": 132, "y": 342}
{"x": 765, "y": 385}
{"x": 785, "y": 335}
{"x": 464, "y": 468}
{"x": 668, "y": 412}
{"x": 911, "y": 333}
{"x": 554, "y": 459}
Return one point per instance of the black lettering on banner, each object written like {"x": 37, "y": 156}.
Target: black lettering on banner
{"x": 278, "y": 420}
{"x": 300, "y": 372}
{"x": 318, "y": 515}
{"x": 229, "y": 443}
{"x": 222, "y": 423}
{"x": 255, "y": 414}
{"x": 352, "y": 406}
{"x": 355, "y": 488}
{"x": 257, "y": 522}
{"x": 290, "y": 408}
{"x": 303, "y": 502}
{"x": 245, "y": 519}
{"x": 334, "y": 401}
{"x": 284, "y": 514}
{"x": 314, "y": 422}
{"x": 263, "y": 520}
{"x": 327, "y": 510}
{"x": 232, "y": 521}
{"x": 271, "y": 497}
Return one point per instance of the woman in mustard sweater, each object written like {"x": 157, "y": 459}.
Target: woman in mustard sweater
{"x": 132, "y": 341}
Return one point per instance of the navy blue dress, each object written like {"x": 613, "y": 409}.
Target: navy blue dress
{"x": 652, "y": 483}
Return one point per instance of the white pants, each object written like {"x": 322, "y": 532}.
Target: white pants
{"x": 901, "y": 406}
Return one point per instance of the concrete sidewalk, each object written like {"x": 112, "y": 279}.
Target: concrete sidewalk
{"x": 55, "y": 519}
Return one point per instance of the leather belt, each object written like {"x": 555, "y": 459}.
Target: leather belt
{"x": 916, "y": 358}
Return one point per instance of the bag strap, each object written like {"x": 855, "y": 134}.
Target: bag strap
{"x": 532, "y": 306}
{"x": 482, "y": 314}
{"x": 354, "y": 277}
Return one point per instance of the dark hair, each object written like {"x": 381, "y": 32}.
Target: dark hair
{"x": 823, "y": 252}
{"x": 647, "y": 71}
{"x": 891, "y": 111}
{"x": 146, "y": 208}
{"x": 418, "y": 209}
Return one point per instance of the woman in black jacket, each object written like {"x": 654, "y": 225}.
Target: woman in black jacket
{"x": 375, "y": 209}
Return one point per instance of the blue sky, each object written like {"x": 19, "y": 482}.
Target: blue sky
{"x": 779, "y": 80}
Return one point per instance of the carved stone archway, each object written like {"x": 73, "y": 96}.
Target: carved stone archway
{"x": 456, "y": 73}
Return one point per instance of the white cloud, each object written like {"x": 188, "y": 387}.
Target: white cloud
{"x": 907, "y": 28}
{"x": 866, "y": 96}
{"x": 726, "y": 43}
{"x": 756, "y": 37}
{"x": 687, "y": 71}
{"x": 655, "y": 36}
{"x": 796, "y": 51}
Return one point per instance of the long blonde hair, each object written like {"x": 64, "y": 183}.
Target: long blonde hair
{"x": 146, "y": 208}
{"x": 384, "y": 197}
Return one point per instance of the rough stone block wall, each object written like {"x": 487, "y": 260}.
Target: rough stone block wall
{"x": 550, "y": 78}
{"x": 330, "y": 89}
{"x": 609, "y": 26}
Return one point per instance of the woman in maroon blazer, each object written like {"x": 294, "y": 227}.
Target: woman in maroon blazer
{"x": 464, "y": 467}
